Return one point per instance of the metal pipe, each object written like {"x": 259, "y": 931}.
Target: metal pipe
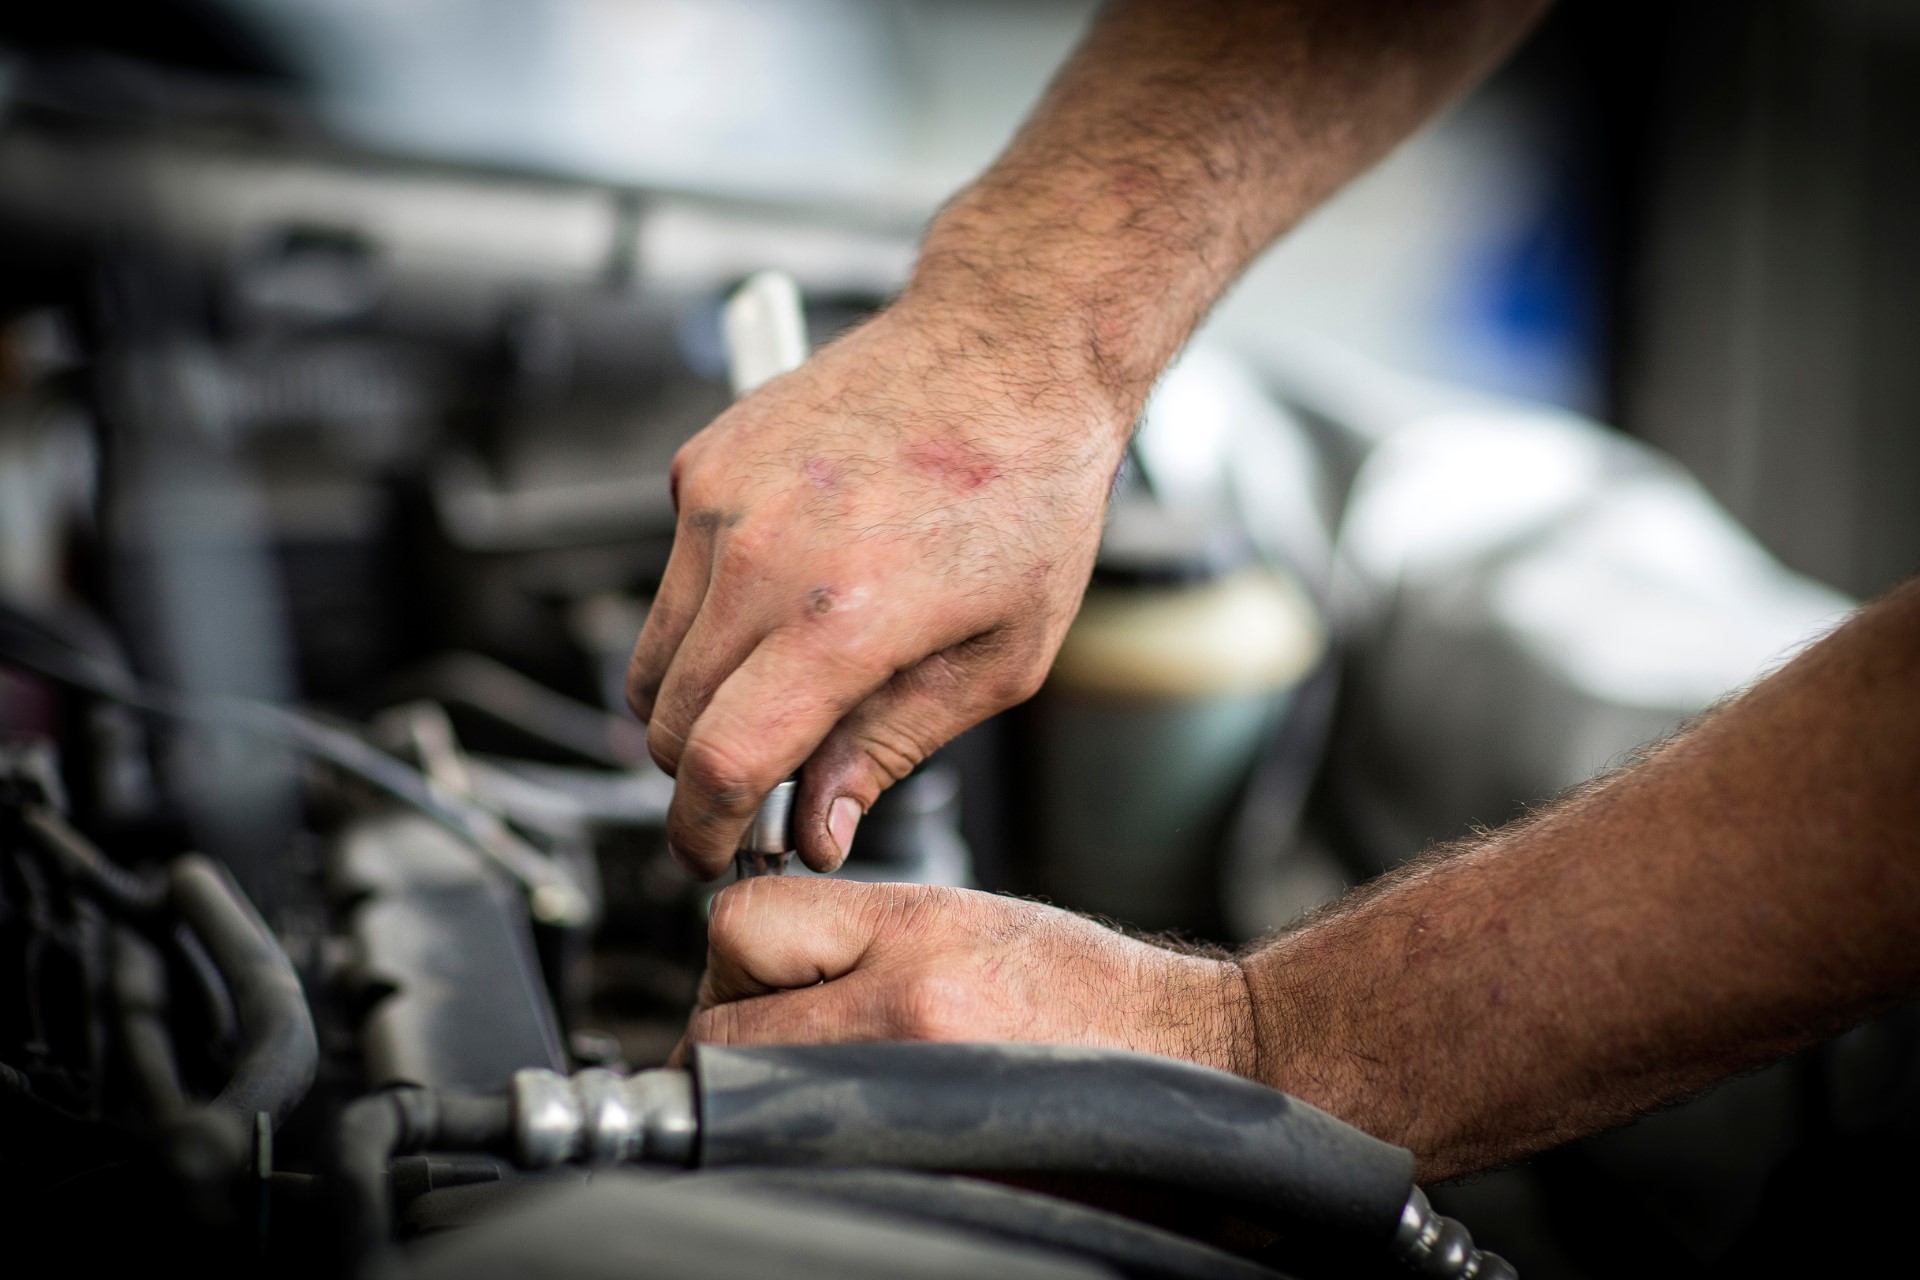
{"x": 1432, "y": 1244}
{"x": 597, "y": 1117}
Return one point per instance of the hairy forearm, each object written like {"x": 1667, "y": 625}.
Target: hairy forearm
{"x": 1750, "y": 888}
{"x": 1179, "y": 140}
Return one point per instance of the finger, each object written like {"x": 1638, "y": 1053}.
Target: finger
{"x": 895, "y": 728}
{"x": 682, "y": 1048}
{"x": 851, "y": 1010}
{"x": 757, "y": 728}
{"x": 740, "y": 609}
{"x": 772, "y": 933}
{"x": 675, "y": 605}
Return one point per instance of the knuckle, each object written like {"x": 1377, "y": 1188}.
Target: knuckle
{"x": 1016, "y": 682}
{"x": 743, "y": 551}
{"x": 663, "y": 744}
{"x": 643, "y": 688}
{"x": 895, "y": 755}
{"x": 727, "y": 922}
{"x": 932, "y": 1006}
{"x": 685, "y": 470}
{"x": 721, "y": 775}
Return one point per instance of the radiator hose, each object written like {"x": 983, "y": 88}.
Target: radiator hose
{"x": 372, "y": 1130}
{"x": 999, "y": 1108}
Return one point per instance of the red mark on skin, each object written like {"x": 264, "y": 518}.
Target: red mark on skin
{"x": 1130, "y": 182}
{"x": 953, "y": 462}
{"x": 821, "y": 474}
{"x": 825, "y": 599}
{"x": 1497, "y": 995}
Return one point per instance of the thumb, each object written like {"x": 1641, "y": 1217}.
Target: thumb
{"x": 772, "y": 933}
{"x": 888, "y": 734}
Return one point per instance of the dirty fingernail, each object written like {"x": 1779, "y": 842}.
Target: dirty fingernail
{"x": 841, "y": 820}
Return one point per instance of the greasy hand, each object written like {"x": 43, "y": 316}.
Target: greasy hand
{"x": 874, "y": 552}
{"x": 806, "y": 960}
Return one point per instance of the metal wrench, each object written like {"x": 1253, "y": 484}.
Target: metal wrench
{"x": 766, "y": 333}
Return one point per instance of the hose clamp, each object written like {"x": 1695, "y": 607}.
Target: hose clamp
{"x": 1432, "y": 1244}
{"x": 597, "y": 1117}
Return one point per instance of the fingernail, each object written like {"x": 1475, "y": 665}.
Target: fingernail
{"x": 841, "y": 820}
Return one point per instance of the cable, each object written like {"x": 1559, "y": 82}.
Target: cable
{"x": 553, "y": 897}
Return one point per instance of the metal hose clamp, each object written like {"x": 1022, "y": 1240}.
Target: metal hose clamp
{"x": 1432, "y": 1244}
{"x": 598, "y": 1117}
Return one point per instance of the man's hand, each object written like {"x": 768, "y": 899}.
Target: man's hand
{"x": 805, "y": 960}
{"x": 874, "y": 553}
{"x": 1752, "y": 886}
{"x": 884, "y": 547}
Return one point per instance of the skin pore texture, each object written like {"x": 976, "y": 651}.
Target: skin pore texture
{"x": 1747, "y": 888}
{"x": 885, "y": 546}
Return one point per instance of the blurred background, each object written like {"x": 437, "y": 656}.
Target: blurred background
{"x": 344, "y": 345}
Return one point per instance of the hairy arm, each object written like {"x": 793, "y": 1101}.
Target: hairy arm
{"x": 885, "y": 547}
{"x": 1177, "y": 143}
{"x": 1751, "y": 887}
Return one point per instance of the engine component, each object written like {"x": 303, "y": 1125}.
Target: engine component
{"x": 1003, "y": 1109}
{"x": 377, "y": 1128}
{"x": 598, "y": 1117}
{"x": 1435, "y": 1245}
{"x": 282, "y": 1052}
{"x": 623, "y": 1225}
{"x": 32, "y": 643}
{"x": 442, "y": 949}
{"x": 1048, "y": 1108}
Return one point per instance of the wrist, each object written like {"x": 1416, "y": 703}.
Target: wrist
{"x": 1201, "y": 1009}
{"x": 994, "y": 279}
{"x": 1017, "y": 381}
{"x": 1297, "y": 1032}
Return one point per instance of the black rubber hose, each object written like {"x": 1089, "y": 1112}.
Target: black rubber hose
{"x": 127, "y": 891}
{"x": 1050, "y": 1109}
{"x": 139, "y": 982}
{"x": 373, "y": 1130}
{"x": 223, "y": 1022}
{"x": 365, "y": 1138}
{"x": 280, "y": 1053}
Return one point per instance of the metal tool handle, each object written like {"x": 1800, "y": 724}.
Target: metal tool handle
{"x": 768, "y": 840}
{"x": 766, "y": 333}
